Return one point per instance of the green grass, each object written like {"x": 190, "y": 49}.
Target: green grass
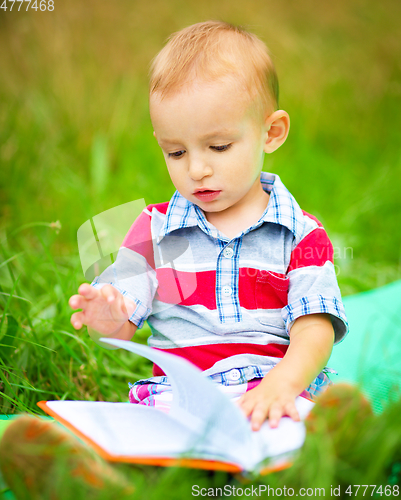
{"x": 76, "y": 139}
{"x": 41, "y": 355}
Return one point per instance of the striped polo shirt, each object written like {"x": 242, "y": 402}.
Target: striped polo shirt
{"x": 220, "y": 302}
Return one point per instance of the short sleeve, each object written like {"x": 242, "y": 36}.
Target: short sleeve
{"x": 133, "y": 272}
{"x": 313, "y": 286}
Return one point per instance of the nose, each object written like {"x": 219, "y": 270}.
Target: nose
{"x": 198, "y": 168}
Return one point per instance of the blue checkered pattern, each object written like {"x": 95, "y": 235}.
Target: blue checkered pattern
{"x": 244, "y": 375}
{"x": 316, "y": 304}
{"x": 227, "y": 275}
{"x": 282, "y": 209}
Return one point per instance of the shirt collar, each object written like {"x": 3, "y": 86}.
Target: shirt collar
{"x": 282, "y": 209}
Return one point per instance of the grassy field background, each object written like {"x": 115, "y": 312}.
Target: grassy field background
{"x": 76, "y": 139}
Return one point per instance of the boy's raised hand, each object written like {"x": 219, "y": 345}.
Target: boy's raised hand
{"x": 103, "y": 310}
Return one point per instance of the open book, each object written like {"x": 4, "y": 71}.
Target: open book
{"x": 203, "y": 428}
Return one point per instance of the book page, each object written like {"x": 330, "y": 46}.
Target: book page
{"x": 124, "y": 429}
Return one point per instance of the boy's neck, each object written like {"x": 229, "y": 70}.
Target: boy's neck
{"x": 238, "y": 218}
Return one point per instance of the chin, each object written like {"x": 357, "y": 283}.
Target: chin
{"x": 210, "y": 207}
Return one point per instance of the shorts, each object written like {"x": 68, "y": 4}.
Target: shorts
{"x": 157, "y": 391}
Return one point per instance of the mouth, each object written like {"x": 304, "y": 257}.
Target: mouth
{"x": 206, "y": 194}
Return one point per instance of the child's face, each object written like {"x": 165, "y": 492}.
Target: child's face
{"x": 213, "y": 144}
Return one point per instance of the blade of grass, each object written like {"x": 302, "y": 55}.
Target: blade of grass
{"x": 8, "y": 302}
{"x": 33, "y": 389}
{"x": 16, "y": 297}
{"x": 68, "y": 349}
{"x": 52, "y": 225}
{"x": 17, "y": 403}
{"x": 6, "y": 262}
{"x": 76, "y": 338}
{"x": 52, "y": 262}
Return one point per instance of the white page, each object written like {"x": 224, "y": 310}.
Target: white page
{"x": 124, "y": 428}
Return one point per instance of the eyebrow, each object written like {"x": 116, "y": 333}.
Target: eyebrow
{"x": 205, "y": 137}
{"x": 220, "y": 133}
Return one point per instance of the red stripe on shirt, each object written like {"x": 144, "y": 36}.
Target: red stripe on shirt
{"x": 205, "y": 356}
{"x": 314, "y": 250}
{"x": 141, "y": 227}
{"x": 188, "y": 289}
{"x": 257, "y": 289}
{"x": 160, "y": 207}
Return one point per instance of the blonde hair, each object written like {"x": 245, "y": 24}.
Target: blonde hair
{"x": 212, "y": 50}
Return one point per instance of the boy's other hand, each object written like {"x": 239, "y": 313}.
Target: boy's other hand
{"x": 271, "y": 399}
{"x": 103, "y": 310}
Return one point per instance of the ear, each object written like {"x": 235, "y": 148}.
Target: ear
{"x": 277, "y": 128}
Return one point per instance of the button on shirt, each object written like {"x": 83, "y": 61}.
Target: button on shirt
{"x": 234, "y": 374}
{"x": 228, "y": 252}
{"x": 226, "y": 303}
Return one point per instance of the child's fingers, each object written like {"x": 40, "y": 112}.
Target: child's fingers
{"x": 116, "y": 303}
{"x": 88, "y": 291}
{"x": 259, "y": 415}
{"x": 276, "y": 411}
{"x": 77, "y": 302}
{"x": 109, "y": 293}
{"x": 260, "y": 412}
{"x": 246, "y": 404}
{"x": 291, "y": 411}
{"x": 77, "y": 320}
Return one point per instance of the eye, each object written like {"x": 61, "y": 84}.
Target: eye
{"x": 176, "y": 154}
{"x": 224, "y": 147}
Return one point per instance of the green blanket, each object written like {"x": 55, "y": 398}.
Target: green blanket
{"x": 370, "y": 355}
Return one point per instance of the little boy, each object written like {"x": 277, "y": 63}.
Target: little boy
{"x": 259, "y": 306}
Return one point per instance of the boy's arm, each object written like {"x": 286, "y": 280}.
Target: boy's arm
{"x": 311, "y": 342}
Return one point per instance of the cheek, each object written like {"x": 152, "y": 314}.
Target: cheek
{"x": 245, "y": 163}
{"x": 175, "y": 173}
